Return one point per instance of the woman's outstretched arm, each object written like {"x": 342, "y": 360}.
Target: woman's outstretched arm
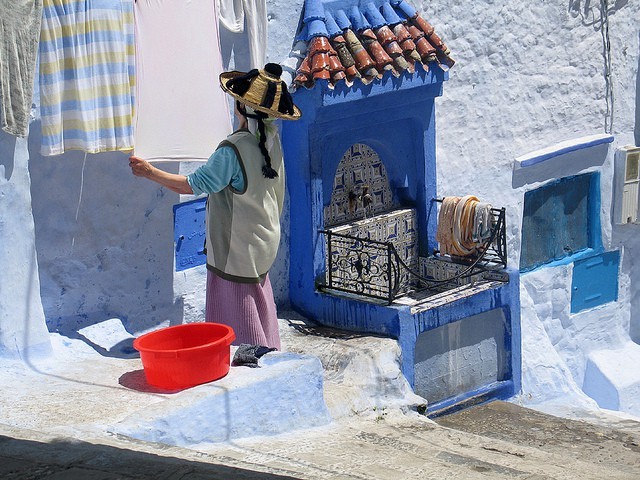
{"x": 174, "y": 182}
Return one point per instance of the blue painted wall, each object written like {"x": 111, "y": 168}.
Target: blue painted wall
{"x": 189, "y": 233}
{"x": 396, "y": 118}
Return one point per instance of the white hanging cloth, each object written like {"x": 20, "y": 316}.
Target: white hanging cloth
{"x": 238, "y": 15}
{"x": 19, "y": 34}
{"x": 181, "y": 112}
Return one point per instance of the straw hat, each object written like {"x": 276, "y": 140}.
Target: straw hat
{"x": 262, "y": 90}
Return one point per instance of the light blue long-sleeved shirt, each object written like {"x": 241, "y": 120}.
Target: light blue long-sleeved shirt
{"x": 221, "y": 170}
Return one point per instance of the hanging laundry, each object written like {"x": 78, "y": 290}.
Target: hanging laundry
{"x": 182, "y": 113}
{"x": 87, "y": 76}
{"x": 19, "y": 35}
{"x": 249, "y": 16}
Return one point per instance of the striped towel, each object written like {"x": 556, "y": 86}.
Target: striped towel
{"x": 87, "y": 76}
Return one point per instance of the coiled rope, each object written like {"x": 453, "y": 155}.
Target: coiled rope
{"x": 464, "y": 225}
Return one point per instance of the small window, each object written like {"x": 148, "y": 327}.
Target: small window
{"x": 632, "y": 167}
{"x": 560, "y": 219}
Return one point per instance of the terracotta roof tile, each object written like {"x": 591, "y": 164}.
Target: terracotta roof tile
{"x": 365, "y": 41}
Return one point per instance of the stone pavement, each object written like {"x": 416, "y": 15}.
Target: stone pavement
{"x": 58, "y": 418}
{"x": 497, "y": 440}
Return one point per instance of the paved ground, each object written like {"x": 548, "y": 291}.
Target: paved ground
{"x": 497, "y": 440}
{"x": 55, "y": 419}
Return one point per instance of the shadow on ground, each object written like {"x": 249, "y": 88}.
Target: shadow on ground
{"x": 26, "y": 459}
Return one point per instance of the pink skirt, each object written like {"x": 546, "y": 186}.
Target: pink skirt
{"x": 248, "y": 308}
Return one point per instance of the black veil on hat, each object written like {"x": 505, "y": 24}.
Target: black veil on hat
{"x": 267, "y": 95}
{"x": 262, "y": 90}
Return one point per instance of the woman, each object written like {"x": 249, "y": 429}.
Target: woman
{"x": 244, "y": 179}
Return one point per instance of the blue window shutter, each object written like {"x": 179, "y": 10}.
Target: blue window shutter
{"x": 595, "y": 281}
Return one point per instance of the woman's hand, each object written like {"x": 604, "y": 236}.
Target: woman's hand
{"x": 174, "y": 182}
{"x": 140, "y": 167}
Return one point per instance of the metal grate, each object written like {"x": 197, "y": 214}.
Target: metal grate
{"x": 374, "y": 269}
{"x": 494, "y": 252}
{"x": 362, "y": 266}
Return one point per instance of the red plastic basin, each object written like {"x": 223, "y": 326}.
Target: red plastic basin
{"x": 185, "y": 355}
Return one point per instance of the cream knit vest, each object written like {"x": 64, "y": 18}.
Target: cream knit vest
{"x": 243, "y": 227}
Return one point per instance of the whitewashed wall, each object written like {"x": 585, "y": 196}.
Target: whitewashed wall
{"x": 22, "y": 325}
{"x": 528, "y": 75}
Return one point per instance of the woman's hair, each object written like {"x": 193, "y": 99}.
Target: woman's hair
{"x": 267, "y": 170}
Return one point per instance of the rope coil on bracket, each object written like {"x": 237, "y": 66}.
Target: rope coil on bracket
{"x": 464, "y": 224}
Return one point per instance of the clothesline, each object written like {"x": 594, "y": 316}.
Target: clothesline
{"x": 97, "y": 95}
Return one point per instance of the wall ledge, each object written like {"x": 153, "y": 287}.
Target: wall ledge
{"x": 561, "y": 160}
{"x": 562, "y": 148}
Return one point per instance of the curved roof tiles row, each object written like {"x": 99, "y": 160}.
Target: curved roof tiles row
{"x": 347, "y": 40}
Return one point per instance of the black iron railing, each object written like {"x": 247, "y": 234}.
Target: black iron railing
{"x": 374, "y": 269}
{"x": 493, "y": 253}
{"x": 361, "y": 266}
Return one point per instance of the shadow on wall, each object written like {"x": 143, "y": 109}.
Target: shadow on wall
{"x": 591, "y": 12}
{"x": 630, "y": 238}
{"x": 636, "y": 129}
{"x": 236, "y": 46}
{"x": 104, "y": 241}
{"x": 8, "y": 145}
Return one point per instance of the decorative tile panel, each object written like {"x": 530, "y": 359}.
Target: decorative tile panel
{"x": 398, "y": 228}
{"x": 433, "y": 268}
{"x": 359, "y": 167}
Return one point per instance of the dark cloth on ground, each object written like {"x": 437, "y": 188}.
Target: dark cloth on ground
{"x": 248, "y": 355}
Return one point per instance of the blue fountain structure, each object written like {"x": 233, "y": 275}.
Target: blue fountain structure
{"x": 390, "y": 119}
